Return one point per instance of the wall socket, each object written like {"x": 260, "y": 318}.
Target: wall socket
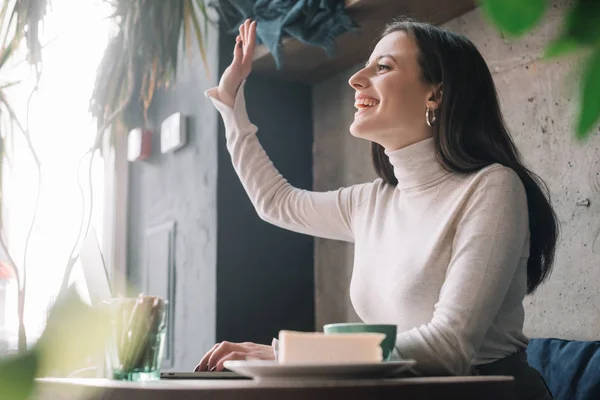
{"x": 173, "y": 133}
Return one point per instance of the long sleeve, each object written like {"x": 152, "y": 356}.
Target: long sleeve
{"x": 487, "y": 250}
{"x": 323, "y": 214}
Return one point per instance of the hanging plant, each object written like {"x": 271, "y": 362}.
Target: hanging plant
{"x": 142, "y": 56}
{"x": 24, "y": 22}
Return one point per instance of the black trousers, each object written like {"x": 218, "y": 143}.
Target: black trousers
{"x": 530, "y": 384}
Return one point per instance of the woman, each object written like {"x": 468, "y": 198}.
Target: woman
{"x": 456, "y": 230}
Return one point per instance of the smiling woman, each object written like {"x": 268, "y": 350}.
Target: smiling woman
{"x": 389, "y": 85}
{"x": 451, "y": 237}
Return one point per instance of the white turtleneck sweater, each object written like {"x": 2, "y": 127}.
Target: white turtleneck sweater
{"x": 442, "y": 255}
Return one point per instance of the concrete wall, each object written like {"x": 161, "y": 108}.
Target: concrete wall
{"x": 180, "y": 188}
{"x": 538, "y": 102}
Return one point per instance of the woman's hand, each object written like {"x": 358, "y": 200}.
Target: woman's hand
{"x": 241, "y": 66}
{"x": 221, "y": 352}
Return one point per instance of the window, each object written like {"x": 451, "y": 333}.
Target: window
{"x": 75, "y": 34}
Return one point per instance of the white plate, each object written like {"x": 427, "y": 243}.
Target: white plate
{"x": 267, "y": 370}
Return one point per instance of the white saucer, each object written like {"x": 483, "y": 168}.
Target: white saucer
{"x": 268, "y": 370}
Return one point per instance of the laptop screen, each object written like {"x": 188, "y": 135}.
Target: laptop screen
{"x": 94, "y": 270}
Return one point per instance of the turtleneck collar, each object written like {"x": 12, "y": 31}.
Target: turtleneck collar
{"x": 416, "y": 165}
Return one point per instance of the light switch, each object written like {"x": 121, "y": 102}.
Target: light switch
{"x": 173, "y": 133}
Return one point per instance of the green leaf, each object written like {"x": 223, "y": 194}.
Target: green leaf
{"x": 515, "y": 17}
{"x": 561, "y": 46}
{"x": 74, "y": 331}
{"x": 7, "y": 52}
{"x": 3, "y": 24}
{"x": 582, "y": 23}
{"x": 590, "y": 96}
{"x": 17, "y": 374}
{"x": 207, "y": 21}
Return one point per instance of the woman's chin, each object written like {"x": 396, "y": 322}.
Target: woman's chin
{"x": 357, "y": 129}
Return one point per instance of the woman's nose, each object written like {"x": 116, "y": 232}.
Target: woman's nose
{"x": 358, "y": 80}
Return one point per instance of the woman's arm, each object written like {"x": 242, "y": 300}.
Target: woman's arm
{"x": 486, "y": 251}
{"x": 322, "y": 214}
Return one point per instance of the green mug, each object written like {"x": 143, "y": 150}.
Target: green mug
{"x": 387, "y": 346}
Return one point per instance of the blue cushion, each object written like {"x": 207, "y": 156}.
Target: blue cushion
{"x": 571, "y": 368}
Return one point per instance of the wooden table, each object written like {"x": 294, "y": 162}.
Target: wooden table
{"x": 463, "y": 388}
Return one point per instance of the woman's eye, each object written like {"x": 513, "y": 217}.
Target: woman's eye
{"x": 381, "y": 67}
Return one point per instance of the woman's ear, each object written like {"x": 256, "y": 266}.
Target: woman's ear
{"x": 435, "y": 96}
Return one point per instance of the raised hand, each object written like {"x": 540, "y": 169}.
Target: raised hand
{"x": 241, "y": 66}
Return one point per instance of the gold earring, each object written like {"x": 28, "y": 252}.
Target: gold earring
{"x": 430, "y": 117}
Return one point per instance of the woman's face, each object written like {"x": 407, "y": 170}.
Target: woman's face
{"x": 391, "y": 96}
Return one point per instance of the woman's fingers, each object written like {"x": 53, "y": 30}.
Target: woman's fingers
{"x": 247, "y": 30}
{"x": 204, "y": 362}
{"x": 249, "y": 42}
{"x": 243, "y": 31}
{"x": 251, "y": 38}
{"x": 238, "y": 52}
{"x": 221, "y": 351}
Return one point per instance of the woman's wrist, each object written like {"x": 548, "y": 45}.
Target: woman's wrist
{"x": 226, "y": 97}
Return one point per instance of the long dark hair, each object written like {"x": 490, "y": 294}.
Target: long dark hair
{"x": 470, "y": 133}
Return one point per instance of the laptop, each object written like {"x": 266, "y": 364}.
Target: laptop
{"x": 99, "y": 289}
